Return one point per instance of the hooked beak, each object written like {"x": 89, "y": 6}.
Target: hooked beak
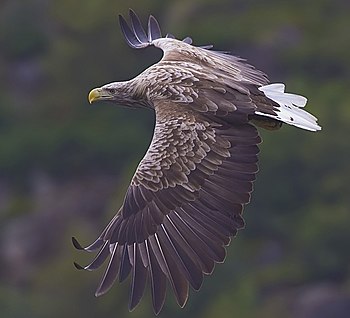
{"x": 98, "y": 94}
{"x": 94, "y": 95}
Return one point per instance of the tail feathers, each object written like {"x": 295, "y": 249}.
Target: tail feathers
{"x": 289, "y": 111}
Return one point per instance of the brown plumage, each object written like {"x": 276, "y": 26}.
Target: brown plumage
{"x": 186, "y": 198}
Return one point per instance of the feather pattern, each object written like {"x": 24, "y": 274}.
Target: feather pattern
{"x": 185, "y": 200}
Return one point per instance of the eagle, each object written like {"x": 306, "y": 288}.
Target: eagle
{"x": 185, "y": 200}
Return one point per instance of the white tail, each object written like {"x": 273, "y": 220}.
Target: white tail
{"x": 290, "y": 111}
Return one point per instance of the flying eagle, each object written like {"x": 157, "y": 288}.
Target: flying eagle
{"x": 185, "y": 200}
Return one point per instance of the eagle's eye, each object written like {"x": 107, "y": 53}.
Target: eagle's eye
{"x": 112, "y": 91}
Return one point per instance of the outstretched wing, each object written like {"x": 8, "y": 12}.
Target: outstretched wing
{"x": 182, "y": 207}
{"x": 270, "y": 100}
{"x": 182, "y": 51}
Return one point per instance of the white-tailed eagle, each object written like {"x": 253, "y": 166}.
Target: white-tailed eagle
{"x": 186, "y": 198}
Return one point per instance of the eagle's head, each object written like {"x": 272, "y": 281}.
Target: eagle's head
{"x": 116, "y": 92}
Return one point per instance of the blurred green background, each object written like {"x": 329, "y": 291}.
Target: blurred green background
{"x": 64, "y": 165}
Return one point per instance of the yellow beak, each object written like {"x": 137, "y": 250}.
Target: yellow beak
{"x": 95, "y": 94}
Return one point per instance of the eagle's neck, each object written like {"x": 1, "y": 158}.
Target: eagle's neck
{"x": 128, "y": 93}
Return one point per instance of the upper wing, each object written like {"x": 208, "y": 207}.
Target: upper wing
{"x": 182, "y": 51}
{"x": 182, "y": 206}
{"x": 270, "y": 101}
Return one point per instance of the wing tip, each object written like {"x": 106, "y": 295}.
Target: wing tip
{"x": 76, "y": 244}
{"x": 154, "y": 32}
{"x": 78, "y": 266}
{"x": 135, "y": 35}
{"x": 99, "y": 293}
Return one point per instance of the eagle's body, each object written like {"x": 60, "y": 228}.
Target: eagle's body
{"x": 186, "y": 197}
